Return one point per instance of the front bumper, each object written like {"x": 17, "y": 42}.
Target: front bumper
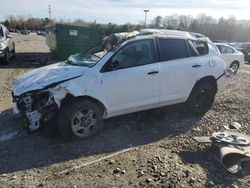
{"x": 34, "y": 112}
{"x": 2, "y": 53}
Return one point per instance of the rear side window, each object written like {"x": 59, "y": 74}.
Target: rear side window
{"x": 226, "y": 49}
{"x": 171, "y": 49}
{"x": 201, "y": 47}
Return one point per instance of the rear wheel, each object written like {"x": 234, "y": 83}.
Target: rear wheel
{"x": 201, "y": 98}
{"x": 234, "y": 66}
{"x": 79, "y": 119}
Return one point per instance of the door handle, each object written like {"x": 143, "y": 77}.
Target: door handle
{"x": 196, "y": 66}
{"x": 153, "y": 72}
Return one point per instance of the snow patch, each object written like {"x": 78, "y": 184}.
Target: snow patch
{"x": 7, "y": 136}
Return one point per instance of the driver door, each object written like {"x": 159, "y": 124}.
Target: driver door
{"x": 133, "y": 82}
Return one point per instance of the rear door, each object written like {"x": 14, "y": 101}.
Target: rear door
{"x": 179, "y": 66}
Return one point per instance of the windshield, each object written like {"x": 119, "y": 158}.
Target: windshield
{"x": 88, "y": 58}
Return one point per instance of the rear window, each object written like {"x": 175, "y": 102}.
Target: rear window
{"x": 171, "y": 49}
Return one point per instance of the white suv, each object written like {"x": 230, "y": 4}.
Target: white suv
{"x": 149, "y": 69}
{"x": 7, "y": 45}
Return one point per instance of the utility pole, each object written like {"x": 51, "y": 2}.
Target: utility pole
{"x": 146, "y": 11}
{"x": 49, "y": 12}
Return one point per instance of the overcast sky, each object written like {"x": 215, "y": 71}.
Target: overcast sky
{"x": 123, "y": 11}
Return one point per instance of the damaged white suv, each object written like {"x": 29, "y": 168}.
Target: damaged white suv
{"x": 130, "y": 72}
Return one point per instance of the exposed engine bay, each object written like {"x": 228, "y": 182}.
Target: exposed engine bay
{"x": 36, "y": 108}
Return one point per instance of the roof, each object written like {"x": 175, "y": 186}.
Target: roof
{"x": 150, "y": 33}
{"x": 166, "y": 32}
{"x": 117, "y": 38}
{"x": 220, "y": 43}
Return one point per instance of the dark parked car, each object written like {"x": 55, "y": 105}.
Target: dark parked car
{"x": 25, "y": 32}
{"x": 245, "y": 48}
{"x": 42, "y": 33}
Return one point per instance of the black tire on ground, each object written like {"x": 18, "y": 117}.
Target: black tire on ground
{"x": 201, "y": 98}
{"x": 235, "y": 66}
{"x": 6, "y": 59}
{"x": 50, "y": 128}
{"x": 14, "y": 52}
{"x": 79, "y": 119}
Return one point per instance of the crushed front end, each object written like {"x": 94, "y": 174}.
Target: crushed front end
{"x": 36, "y": 108}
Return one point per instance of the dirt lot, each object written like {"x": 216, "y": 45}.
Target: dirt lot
{"x": 147, "y": 149}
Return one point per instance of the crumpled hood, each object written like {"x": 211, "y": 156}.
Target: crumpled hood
{"x": 45, "y": 76}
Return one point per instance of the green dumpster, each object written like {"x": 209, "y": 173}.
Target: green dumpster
{"x": 65, "y": 40}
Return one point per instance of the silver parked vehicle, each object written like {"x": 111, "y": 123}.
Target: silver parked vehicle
{"x": 7, "y": 45}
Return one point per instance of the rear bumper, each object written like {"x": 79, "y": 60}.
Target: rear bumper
{"x": 222, "y": 81}
{"x": 247, "y": 56}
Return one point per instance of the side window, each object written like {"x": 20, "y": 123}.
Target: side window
{"x": 134, "y": 54}
{"x": 201, "y": 47}
{"x": 226, "y": 50}
{"x": 171, "y": 49}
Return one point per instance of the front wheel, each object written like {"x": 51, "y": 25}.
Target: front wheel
{"x": 14, "y": 52}
{"x": 234, "y": 66}
{"x": 7, "y": 57}
{"x": 201, "y": 98}
{"x": 79, "y": 119}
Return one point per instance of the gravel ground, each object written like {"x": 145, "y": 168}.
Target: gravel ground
{"x": 147, "y": 149}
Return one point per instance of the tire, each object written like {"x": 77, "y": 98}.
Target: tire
{"x": 6, "y": 59}
{"x": 14, "y": 52}
{"x": 79, "y": 119}
{"x": 201, "y": 98}
{"x": 50, "y": 128}
{"x": 234, "y": 66}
